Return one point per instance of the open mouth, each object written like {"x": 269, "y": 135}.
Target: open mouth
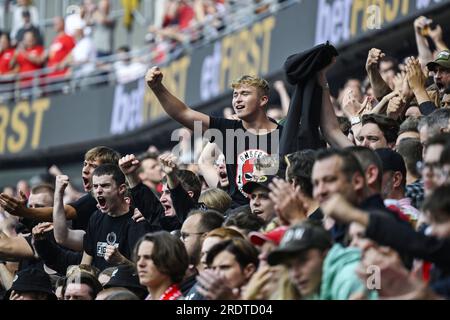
{"x": 167, "y": 208}
{"x": 257, "y": 212}
{"x": 302, "y": 284}
{"x": 223, "y": 174}
{"x": 240, "y": 107}
{"x": 85, "y": 182}
{"x": 101, "y": 202}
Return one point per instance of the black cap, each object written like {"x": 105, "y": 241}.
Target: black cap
{"x": 301, "y": 237}
{"x": 31, "y": 280}
{"x": 261, "y": 182}
{"x": 124, "y": 276}
{"x": 391, "y": 160}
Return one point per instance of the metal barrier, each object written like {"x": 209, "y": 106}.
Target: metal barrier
{"x": 32, "y": 85}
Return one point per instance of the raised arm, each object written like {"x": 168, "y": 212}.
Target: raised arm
{"x": 328, "y": 120}
{"x": 181, "y": 201}
{"x": 379, "y": 86}
{"x": 437, "y": 36}
{"x": 206, "y": 164}
{"x": 417, "y": 80}
{"x": 71, "y": 191}
{"x": 174, "y": 107}
{"x": 18, "y": 207}
{"x": 143, "y": 198}
{"x": 170, "y": 167}
{"x": 72, "y": 239}
{"x": 129, "y": 166}
{"x": 425, "y": 54}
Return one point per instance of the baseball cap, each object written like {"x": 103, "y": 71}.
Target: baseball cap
{"x": 391, "y": 160}
{"x": 299, "y": 238}
{"x": 262, "y": 181}
{"x": 275, "y": 235}
{"x": 443, "y": 60}
{"x": 31, "y": 280}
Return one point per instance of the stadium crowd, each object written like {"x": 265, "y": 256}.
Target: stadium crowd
{"x": 360, "y": 212}
{"x": 83, "y": 45}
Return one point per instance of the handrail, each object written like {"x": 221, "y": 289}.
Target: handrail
{"x": 20, "y": 86}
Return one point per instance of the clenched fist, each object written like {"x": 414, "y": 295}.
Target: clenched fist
{"x": 61, "y": 183}
{"x": 373, "y": 59}
{"x": 129, "y": 164}
{"x": 168, "y": 163}
{"x": 153, "y": 77}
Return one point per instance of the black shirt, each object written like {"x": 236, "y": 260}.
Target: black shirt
{"x": 374, "y": 202}
{"x": 241, "y": 148}
{"x": 317, "y": 215}
{"x": 85, "y": 207}
{"x": 152, "y": 210}
{"x": 55, "y": 256}
{"x": 122, "y": 232}
{"x": 387, "y": 231}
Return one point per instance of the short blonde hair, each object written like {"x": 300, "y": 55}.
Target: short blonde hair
{"x": 103, "y": 154}
{"x": 259, "y": 83}
{"x": 216, "y": 199}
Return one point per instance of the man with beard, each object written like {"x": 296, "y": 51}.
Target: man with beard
{"x": 431, "y": 98}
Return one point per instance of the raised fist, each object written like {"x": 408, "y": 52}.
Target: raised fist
{"x": 153, "y": 77}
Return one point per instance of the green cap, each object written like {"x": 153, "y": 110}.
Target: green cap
{"x": 443, "y": 60}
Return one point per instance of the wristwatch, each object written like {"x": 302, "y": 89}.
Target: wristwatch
{"x": 355, "y": 120}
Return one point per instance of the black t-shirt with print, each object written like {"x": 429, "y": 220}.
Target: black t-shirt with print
{"x": 243, "y": 148}
{"x": 85, "y": 207}
{"x": 122, "y": 232}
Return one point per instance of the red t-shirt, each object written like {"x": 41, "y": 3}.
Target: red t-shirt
{"x": 5, "y": 59}
{"x": 61, "y": 46}
{"x": 25, "y": 65}
{"x": 185, "y": 16}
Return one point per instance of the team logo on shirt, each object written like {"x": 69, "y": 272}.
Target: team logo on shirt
{"x": 111, "y": 239}
{"x": 245, "y": 166}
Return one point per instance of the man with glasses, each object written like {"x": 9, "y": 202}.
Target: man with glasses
{"x": 430, "y": 167}
{"x": 197, "y": 224}
{"x": 433, "y": 124}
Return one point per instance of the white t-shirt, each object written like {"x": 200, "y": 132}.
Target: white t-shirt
{"x": 72, "y": 23}
{"x": 85, "y": 54}
{"x": 129, "y": 72}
